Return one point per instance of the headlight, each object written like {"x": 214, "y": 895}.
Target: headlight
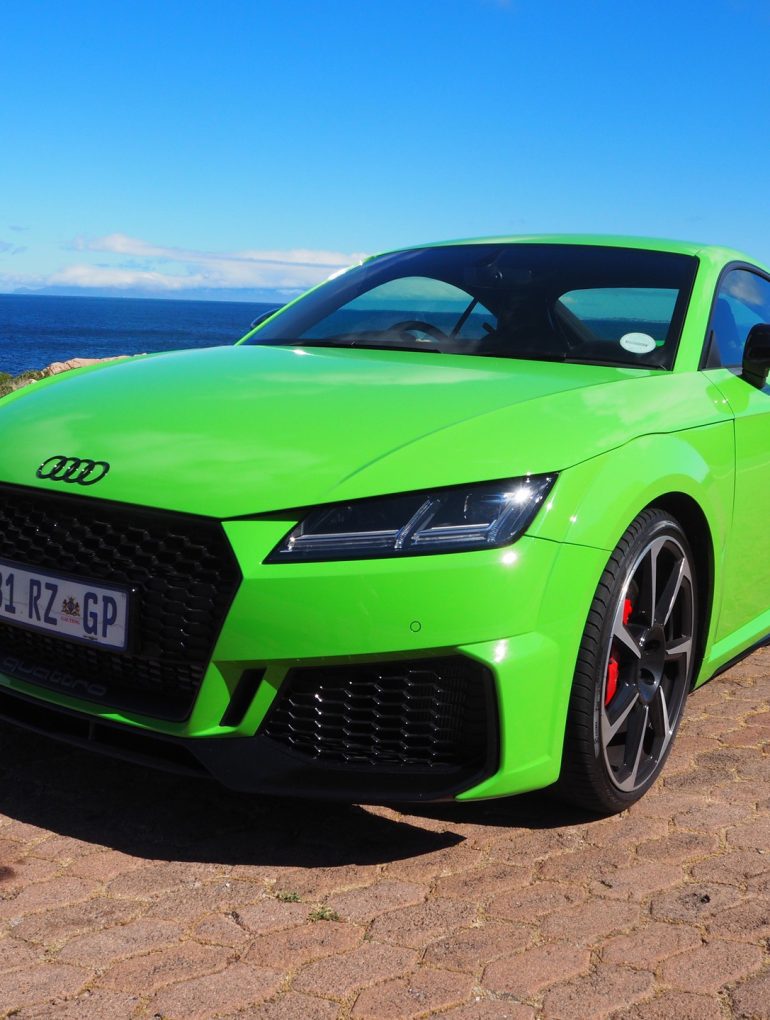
{"x": 440, "y": 520}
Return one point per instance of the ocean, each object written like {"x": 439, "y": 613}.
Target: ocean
{"x": 36, "y": 330}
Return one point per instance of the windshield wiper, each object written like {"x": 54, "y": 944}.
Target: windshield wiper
{"x": 523, "y": 355}
{"x": 563, "y": 359}
{"x": 354, "y": 344}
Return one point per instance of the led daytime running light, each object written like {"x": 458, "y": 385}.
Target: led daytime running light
{"x": 456, "y": 519}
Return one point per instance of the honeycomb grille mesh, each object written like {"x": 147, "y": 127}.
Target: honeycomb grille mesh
{"x": 429, "y": 713}
{"x": 183, "y": 575}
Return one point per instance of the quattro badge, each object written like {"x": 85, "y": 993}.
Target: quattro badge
{"x": 73, "y": 470}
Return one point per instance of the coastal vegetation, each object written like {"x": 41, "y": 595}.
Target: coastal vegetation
{"x": 9, "y": 383}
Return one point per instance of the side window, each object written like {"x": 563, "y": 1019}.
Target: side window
{"x": 743, "y": 300}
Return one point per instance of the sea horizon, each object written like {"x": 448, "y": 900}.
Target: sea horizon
{"x": 38, "y": 329}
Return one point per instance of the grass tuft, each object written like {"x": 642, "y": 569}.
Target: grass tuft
{"x": 323, "y": 914}
{"x": 287, "y": 897}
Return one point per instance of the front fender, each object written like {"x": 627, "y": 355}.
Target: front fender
{"x": 593, "y": 503}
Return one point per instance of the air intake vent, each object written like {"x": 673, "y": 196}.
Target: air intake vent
{"x": 435, "y": 714}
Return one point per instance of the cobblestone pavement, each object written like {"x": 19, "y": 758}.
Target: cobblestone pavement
{"x": 125, "y": 893}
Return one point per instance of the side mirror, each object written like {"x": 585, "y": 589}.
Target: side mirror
{"x": 756, "y": 356}
{"x": 266, "y": 315}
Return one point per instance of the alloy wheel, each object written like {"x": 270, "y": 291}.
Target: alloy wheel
{"x": 647, "y": 666}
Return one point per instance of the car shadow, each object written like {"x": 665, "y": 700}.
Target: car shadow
{"x": 158, "y": 816}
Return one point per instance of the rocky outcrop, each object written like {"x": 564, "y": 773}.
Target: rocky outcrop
{"x": 9, "y": 383}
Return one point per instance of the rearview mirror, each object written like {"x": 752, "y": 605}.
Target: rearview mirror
{"x": 265, "y": 315}
{"x": 756, "y": 356}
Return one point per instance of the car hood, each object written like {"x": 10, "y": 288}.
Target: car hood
{"x": 236, "y": 431}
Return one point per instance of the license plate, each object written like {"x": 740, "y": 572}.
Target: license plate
{"x": 72, "y": 608}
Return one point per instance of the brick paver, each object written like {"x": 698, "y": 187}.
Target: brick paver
{"x": 130, "y": 894}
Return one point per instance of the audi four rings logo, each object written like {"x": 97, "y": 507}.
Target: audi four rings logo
{"x": 73, "y": 470}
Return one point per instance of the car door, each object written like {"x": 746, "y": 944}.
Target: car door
{"x": 742, "y": 300}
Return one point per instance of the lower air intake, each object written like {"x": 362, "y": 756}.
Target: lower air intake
{"x": 436, "y": 714}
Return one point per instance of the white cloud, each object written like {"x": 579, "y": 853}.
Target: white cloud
{"x": 130, "y": 263}
{"x": 124, "y": 245}
{"x": 107, "y": 276}
{"x": 171, "y": 268}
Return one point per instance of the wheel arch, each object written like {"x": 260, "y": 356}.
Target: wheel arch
{"x": 689, "y": 474}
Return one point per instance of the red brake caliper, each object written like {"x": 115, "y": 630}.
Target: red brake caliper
{"x": 612, "y": 666}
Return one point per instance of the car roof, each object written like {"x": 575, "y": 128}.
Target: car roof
{"x": 711, "y": 252}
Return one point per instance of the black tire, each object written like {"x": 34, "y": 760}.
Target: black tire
{"x": 634, "y": 668}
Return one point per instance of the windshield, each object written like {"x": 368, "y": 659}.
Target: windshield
{"x": 544, "y": 302}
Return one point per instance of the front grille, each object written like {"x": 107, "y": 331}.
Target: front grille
{"x": 423, "y": 714}
{"x": 183, "y": 576}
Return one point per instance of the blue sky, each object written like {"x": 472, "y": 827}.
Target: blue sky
{"x": 163, "y": 147}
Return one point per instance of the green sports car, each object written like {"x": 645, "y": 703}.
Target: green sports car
{"x": 466, "y": 520}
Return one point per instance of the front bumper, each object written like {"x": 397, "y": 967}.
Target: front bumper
{"x": 517, "y": 613}
{"x": 256, "y": 764}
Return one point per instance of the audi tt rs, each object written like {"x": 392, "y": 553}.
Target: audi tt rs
{"x": 466, "y": 520}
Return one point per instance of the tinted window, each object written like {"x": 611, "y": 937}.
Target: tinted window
{"x": 415, "y": 299}
{"x": 613, "y": 312}
{"x": 551, "y": 302}
{"x": 743, "y": 300}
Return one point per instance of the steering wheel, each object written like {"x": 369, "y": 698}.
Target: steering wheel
{"x": 408, "y": 325}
